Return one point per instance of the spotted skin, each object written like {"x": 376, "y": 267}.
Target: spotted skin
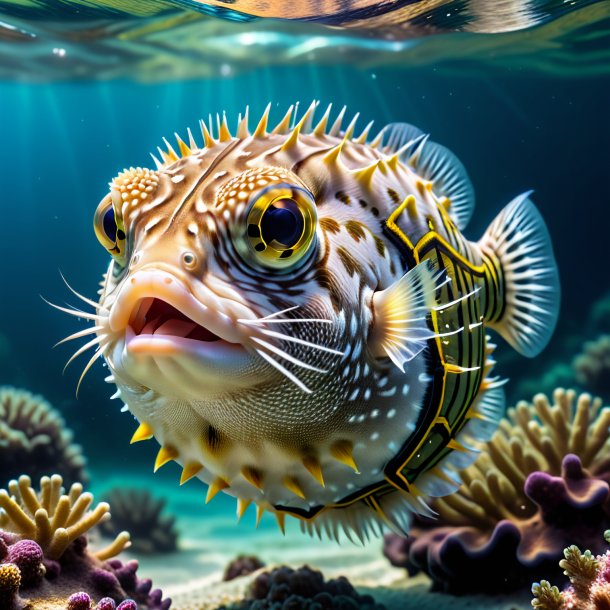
{"x": 337, "y": 436}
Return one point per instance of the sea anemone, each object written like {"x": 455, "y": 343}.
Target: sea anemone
{"x": 589, "y": 577}
{"x": 139, "y": 512}
{"x": 302, "y": 589}
{"x": 592, "y": 367}
{"x": 542, "y": 481}
{"x": 34, "y": 439}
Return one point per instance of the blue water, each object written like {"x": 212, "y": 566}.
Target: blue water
{"x": 514, "y": 129}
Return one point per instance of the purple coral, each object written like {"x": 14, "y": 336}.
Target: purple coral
{"x": 79, "y": 601}
{"x": 106, "y": 603}
{"x": 27, "y": 556}
{"x": 520, "y": 503}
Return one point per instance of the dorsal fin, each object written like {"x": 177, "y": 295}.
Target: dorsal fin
{"x": 437, "y": 164}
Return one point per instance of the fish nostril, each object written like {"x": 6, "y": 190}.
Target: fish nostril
{"x": 189, "y": 260}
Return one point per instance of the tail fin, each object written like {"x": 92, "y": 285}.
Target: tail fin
{"x": 519, "y": 257}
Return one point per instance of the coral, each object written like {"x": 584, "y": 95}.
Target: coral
{"x": 542, "y": 481}
{"x": 54, "y": 520}
{"x": 34, "y": 439}
{"x": 79, "y": 601}
{"x": 43, "y": 543}
{"x": 589, "y": 583}
{"x": 303, "y": 589}
{"x": 27, "y": 556}
{"x": 592, "y": 367}
{"x": 138, "y": 512}
{"x": 10, "y": 581}
{"x": 242, "y": 565}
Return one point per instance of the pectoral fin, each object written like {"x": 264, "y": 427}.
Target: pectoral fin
{"x": 400, "y": 327}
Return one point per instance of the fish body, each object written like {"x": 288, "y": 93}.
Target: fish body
{"x": 296, "y": 317}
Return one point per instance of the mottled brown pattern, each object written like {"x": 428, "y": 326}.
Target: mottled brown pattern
{"x": 330, "y": 225}
{"x": 343, "y": 197}
{"x": 325, "y": 279}
{"x": 379, "y": 245}
{"x": 349, "y": 262}
{"x": 356, "y": 229}
{"x": 394, "y": 196}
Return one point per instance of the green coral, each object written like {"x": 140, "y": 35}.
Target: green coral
{"x": 546, "y": 597}
{"x": 589, "y": 588}
{"x": 580, "y": 568}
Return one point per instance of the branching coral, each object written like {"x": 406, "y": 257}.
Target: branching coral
{"x": 52, "y": 519}
{"x": 589, "y": 583}
{"x": 542, "y": 481}
{"x": 140, "y": 513}
{"x": 593, "y": 366}
{"x": 303, "y": 589}
{"x": 43, "y": 546}
{"x": 34, "y": 439}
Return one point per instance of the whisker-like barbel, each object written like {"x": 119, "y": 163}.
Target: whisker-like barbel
{"x": 79, "y": 334}
{"x": 83, "y": 349}
{"x": 288, "y": 357}
{"x": 323, "y": 348}
{"x": 75, "y": 312}
{"x": 284, "y": 371}
{"x": 78, "y": 294}
{"x": 263, "y": 321}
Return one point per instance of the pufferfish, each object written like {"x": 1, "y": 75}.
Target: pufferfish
{"x": 296, "y": 317}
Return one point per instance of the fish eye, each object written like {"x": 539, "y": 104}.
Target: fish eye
{"x": 280, "y": 226}
{"x": 109, "y": 229}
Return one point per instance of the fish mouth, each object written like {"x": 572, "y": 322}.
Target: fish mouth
{"x": 161, "y": 325}
{"x": 155, "y": 324}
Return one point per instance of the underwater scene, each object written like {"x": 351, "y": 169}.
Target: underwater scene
{"x": 305, "y": 305}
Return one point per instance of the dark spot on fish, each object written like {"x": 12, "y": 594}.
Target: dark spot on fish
{"x": 120, "y": 234}
{"x": 259, "y": 247}
{"x": 343, "y": 197}
{"x": 349, "y": 262}
{"x": 374, "y": 211}
{"x": 214, "y": 440}
{"x": 330, "y": 224}
{"x": 327, "y": 281}
{"x": 363, "y": 203}
{"x": 394, "y": 196}
{"x": 379, "y": 245}
{"x": 286, "y": 253}
{"x": 254, "y": 230}
{"x": 355, "y": 229}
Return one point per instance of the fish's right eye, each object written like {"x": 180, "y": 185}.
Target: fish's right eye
{"x": 109, "y": 229}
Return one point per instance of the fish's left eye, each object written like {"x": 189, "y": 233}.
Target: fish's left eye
{"x": 280, "y": 226}
{"x": 109, "y": 229}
